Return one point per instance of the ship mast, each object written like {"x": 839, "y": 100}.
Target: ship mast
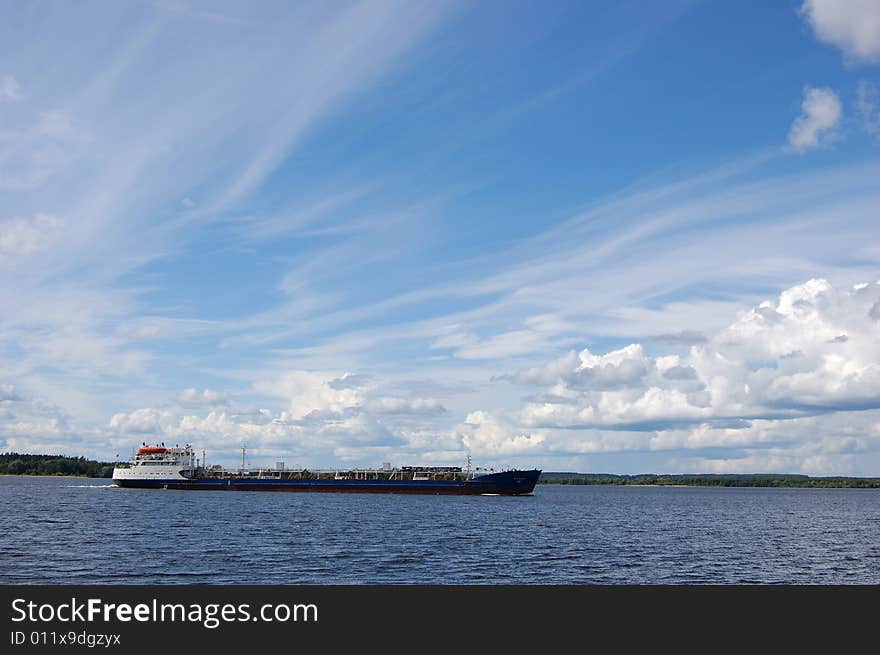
{"x": 243, "y": 449}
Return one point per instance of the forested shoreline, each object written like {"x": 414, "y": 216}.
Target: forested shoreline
{"x": 710, "y": 480}
{"x": 25, "y": 464}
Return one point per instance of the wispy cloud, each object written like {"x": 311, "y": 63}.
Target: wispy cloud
{"x": 20, "y": 237}
{"x": 328, "y": 65}
{"x": 339, "y": 231}
{"x": 868, "y": 108}
{"x": 101, "y": 149}
{"x": 10, "y": 91}
{"x": 592, "y": 271}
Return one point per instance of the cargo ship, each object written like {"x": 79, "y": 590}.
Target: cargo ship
{"x": 161, "y": 467}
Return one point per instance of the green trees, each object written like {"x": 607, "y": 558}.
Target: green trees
{"x": 23, "y": 464}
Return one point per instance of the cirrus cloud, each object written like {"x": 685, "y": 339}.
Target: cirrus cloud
{"x": 20, "y": 237}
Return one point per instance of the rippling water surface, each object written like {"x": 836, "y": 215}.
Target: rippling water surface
{"x": 66, "y": 530}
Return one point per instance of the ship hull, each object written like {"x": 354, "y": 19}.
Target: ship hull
{"x": 507, "y": 483}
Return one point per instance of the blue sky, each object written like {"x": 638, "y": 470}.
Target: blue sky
{"x": 617, "y": 237}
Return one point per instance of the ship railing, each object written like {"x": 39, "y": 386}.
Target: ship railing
{"x": 423, "y": 473}
{"x": 397, "y": 473}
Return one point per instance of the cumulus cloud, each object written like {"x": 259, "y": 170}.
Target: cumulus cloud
{"x": 327, "y": 415}
{"x": 851, "y": 25}
{"x": 319, "y": 435}
{"x": 791, "y": 383}
{"x": 821, "y": 112}
{"x": 350, "y": 381}
{"x": 814, "y": 350}
{"x": 206, "y": 397}
{"x": 345, "y": 434}
{"x": 146, "y": 420}
{"x": 317, "y": 394}
{"x": 214, "y": 428}
{"x": 20, "y": 237}
{"x": 313, "y": 391}
{"x": 485, "y": 434}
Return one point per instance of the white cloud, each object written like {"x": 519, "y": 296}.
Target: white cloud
{"x": 313, "y": 438}
{"x": 20, "y": 237}
{"x": 327, "y": 417}
{"x": 851, "y": 25}
{"x": 309, "y": 391}
{"x": 611, "y": 270}
{"x": 485, "y": 434}
{"x": 32, "y": 424}
{"x": 505, "y": 344}
{"x": 94, "y": 144}
{"x": 621, "y": 268}
{"x": 813, "y": 351}
{"x": 787, "y": 386}
{"x": 582, "y": 370}
{"x": 316, "y": 395}
{"x": 537, "y": 333}
{"x": 868, "y": 108}
{"x": 351, "y": 381}
{"x": 206, "y": 397}
{"x": 454, "y": 340}
{"x": 821, "y": 112}
{"x": 10, "y": 91}
{"x": 397, "y": 405}
{"x": 146, "y": 420}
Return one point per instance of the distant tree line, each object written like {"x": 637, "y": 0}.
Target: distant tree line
{"x": 21, "y": 464}
{"x": 711, "y": 480}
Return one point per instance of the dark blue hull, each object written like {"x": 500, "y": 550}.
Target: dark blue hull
{"x": 507, "y": 483}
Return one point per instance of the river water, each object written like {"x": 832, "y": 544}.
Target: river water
{"x": 84, "y": 531}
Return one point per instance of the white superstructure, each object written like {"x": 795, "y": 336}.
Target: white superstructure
{"x": 159, "y": 463}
